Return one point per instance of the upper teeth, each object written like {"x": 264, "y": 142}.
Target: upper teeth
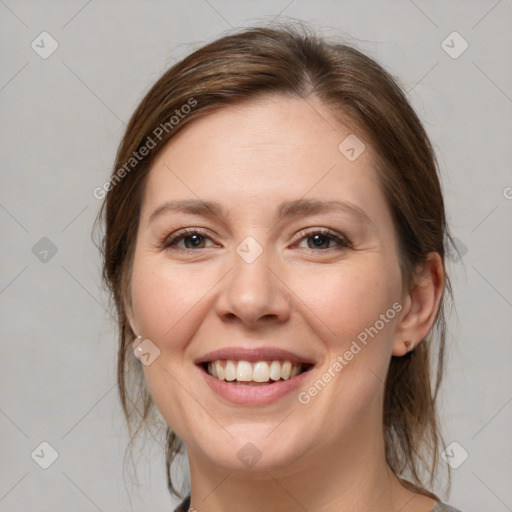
{"x": 261, "y": 371}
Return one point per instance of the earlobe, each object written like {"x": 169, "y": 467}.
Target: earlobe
{"x": 423, "y": 304}
{"x": 137, "y": 338}
{"x": 403, "y": 347}
{"x": 130, "y": 317}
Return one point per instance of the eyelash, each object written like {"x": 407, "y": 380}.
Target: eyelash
{"x": 169, "y": 241}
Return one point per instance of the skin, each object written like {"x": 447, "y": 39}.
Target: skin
{"x": 327, "y": 455}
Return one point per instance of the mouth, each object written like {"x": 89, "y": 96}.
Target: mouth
{"x": 256, "y": 373}
{"x": 255, "y": 376}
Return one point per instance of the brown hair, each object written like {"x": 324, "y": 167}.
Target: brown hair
{"x": 293, "y": 61}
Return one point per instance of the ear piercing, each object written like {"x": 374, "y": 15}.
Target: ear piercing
{"x": 408, "y": 345}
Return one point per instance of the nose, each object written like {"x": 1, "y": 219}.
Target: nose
{"x": 254, "y": 294}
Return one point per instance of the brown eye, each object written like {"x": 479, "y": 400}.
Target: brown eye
{"x": 319, "y": 241}
{"x": 192, "y": 239}
{"x": 324, "y": 239}
{"x": 195, "y": 241}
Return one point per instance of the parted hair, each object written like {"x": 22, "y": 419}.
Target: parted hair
{"x": 291, "y": 60}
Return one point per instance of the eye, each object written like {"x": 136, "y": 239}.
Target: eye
{"x": 323, "y": 238}
{"x": 192, "y": 238}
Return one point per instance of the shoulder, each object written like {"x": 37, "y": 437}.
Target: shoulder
{"x": 439, "y": 506}
{"x": 443, "y": 507}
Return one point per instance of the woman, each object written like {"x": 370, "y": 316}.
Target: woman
{"x": 274, "y": 244}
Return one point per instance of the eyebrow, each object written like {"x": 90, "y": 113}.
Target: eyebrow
{"x": 286, "y": 209}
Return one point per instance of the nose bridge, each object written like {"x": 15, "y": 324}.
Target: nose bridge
{"x": 252, "y": 291}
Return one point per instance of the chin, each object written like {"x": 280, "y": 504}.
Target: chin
{"x": 253, "y": 449}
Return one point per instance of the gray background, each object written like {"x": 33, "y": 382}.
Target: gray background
{"x": 62, "y": 118}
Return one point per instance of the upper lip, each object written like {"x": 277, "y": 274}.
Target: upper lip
{"x": 253, "y": 355}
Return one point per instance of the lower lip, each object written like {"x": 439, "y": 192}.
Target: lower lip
{"x": 254, "y": 395}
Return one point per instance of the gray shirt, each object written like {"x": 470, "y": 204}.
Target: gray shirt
{"x": 438, "y": 507}
{"x": 443, "y": 507}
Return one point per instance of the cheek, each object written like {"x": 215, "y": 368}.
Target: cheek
{"x": 350, "y": 298}
{"x": 165, "y": 296}
{"x": 168, "y": 303}
{"x": 354, "y": 313}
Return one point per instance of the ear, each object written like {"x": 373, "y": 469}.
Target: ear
{"x": 130, "y": 316}
{"x": 421, "y": 304}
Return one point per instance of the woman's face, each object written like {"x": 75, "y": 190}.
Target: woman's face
{"x": 318, "y": 278}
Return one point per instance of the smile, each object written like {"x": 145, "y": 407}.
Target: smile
{"x": 253, "y": 376}
{"x": 256, "y": 373}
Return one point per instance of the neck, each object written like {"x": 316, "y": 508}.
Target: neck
{"x": 349, "y": 476}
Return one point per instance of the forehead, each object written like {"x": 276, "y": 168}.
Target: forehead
{"x": 273, "y": 149}
{"x": 270, "y": 127}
